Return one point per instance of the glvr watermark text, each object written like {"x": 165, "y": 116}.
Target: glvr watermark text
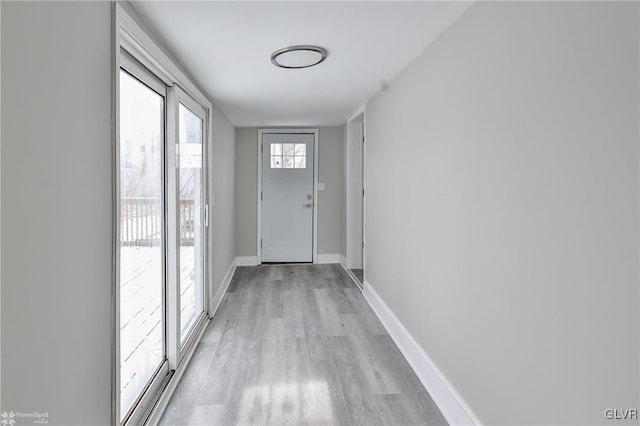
{"x": 621, "y": 413}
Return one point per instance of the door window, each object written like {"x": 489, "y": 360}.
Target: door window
{"x": 288, "y": 156}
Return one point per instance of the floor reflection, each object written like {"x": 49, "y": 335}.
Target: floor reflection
{"x": 307, "y": 402}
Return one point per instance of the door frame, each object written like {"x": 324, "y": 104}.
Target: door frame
{"x": 132, "y": 66}
{"x": 180, "y": 96}
{"x": 305, "y": 131}
{"x": 355, "y": 158}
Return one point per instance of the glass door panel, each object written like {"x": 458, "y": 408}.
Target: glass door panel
{"x": 191, "y": 215}
{"x": 142, "y": 237}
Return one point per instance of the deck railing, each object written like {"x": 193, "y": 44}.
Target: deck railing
{"x": 141, "y": 221}
{"x": 187, "y": 221}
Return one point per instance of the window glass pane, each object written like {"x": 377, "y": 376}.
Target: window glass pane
{"x": 276, "y": 149}
{"x": 191, "y": 219}
{"x": 276, "y": 162}
{"x": 288, "y": 162}
{"x": 288, "y": 148}
{"x": 300, "y": 162}
{"x": 301, "y": 149}
{"x": 141, "y": 238}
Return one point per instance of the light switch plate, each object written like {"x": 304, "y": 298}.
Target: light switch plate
{"x": 320, "y": 186}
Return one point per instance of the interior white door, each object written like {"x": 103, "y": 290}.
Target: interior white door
{"x": 287, "y": 197}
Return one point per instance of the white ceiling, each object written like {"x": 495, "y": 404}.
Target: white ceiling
{"x": 227, "y": 47}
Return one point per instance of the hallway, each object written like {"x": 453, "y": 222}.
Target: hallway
{"x": 479, "y": 160}
{"x": 298, "y": 345}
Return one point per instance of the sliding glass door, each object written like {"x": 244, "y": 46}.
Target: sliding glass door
{"x": 162, "y": 220}
{"x": 191, "y": 213}
{"x": 142, "y": 236}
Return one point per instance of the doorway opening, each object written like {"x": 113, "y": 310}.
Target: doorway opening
{"x": 356, "y": 198}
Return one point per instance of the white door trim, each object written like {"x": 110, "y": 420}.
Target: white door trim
{"x": 364, "y": 197}
{"x": 355, "y": 184}
{"x": 314, "y": 132}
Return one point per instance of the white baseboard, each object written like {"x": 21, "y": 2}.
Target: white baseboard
{"x": 328, "y": 258}
{"x": 451, "y": 404}
{"x": 224, "y": 285}
{"x": 322, "y": 258}
{"x": 247, "y": 261}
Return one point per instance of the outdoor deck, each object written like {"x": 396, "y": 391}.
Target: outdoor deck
{"x": 141, "y": 333}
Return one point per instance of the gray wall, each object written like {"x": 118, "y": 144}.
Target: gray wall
{"x": 502, "y": 208}
{"x": 56, "y": 210}
{"x": 223, "y": 213}
{"x": 331, "y": 205}
{"x": 330, "y": 202}
{"x": 0, "y": 207}
{"x": 246, "y": 169}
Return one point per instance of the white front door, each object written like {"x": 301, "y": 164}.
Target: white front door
{"x": 287, "y": 197}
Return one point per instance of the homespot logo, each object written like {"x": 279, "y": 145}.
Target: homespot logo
{"x": 621, "y": 413}
{"x": 12, "y": 417}
{"x": 8, "y": 419}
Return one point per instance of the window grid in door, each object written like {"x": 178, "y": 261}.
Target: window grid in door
{"x": 288, "y": 155}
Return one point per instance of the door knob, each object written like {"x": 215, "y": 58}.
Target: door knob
{"x": 308, "y": 205}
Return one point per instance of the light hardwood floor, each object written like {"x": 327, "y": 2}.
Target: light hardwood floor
{"x": 294, "y": 345}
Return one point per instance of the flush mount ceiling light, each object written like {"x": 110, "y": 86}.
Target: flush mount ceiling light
{"x": 296, "y": 57}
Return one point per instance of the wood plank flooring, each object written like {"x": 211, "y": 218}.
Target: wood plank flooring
{"x": 294, "y": 345}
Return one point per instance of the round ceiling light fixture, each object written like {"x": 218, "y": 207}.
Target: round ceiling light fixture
{"x": 296, "y": 57}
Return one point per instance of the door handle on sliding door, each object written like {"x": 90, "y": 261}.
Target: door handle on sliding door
{"x": 308, "y": 205}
